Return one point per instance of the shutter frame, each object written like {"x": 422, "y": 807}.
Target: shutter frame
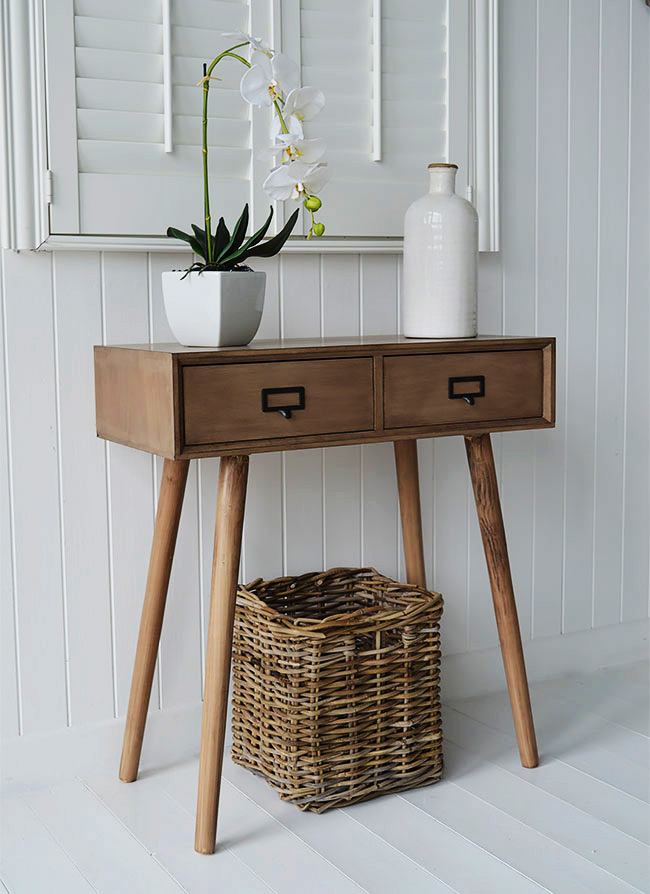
{"x": 23, "y": 143}
{"x": 24, "y": 205}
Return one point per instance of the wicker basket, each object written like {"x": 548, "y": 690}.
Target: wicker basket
{"x": 336, "y": 686}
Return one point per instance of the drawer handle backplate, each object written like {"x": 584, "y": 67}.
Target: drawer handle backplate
{"x": 466, "y": 393}
{"x": 283, "y": 408}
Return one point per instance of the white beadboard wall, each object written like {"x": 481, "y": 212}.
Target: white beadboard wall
{"x": 79, "y": 513}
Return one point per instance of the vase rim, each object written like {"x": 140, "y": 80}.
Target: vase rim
{"x": 442, "y": 164}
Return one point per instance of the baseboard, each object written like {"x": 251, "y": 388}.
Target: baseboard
{"x": 477, "y": 673}
{"x": 28, "y": 762}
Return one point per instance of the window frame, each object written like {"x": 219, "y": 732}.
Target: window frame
{"x": 26, "y": 185}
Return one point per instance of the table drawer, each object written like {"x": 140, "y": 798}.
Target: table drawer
{"x": 238, "y": 402}
{"x": 429, "y": 389}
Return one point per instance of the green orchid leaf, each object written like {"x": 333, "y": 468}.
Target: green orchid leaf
{"x": 196, "y": 246}
{"x": 237, "y": 237}
{"x": 235, "y": 256}
{"x": 221, "y": 238}
{"x": 201, "y": 239}
{"x": 275, "y": 243}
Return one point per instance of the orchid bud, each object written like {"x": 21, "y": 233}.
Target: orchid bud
{"x": 319, "y": 229}
{"x": 313, "y": 203}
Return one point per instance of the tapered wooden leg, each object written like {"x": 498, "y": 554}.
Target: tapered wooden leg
{"x": 488, "y": 507}
{"x": 408, "y": 486}
{"x": 170, "y": 503}
{"x": 233, "y": 476}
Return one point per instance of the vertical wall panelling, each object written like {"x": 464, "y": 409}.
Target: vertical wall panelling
{"x": 581, "y": 296}
{"x": 9, "y": 682}
{"x": 378, "y": 280}
{"x": 519, "y": 88}
{"x": 636, "y": 523}
{"x": 482, "y": 630}
{"x": 34, "y": 465}
{"x": 207, "y": 476}
{"x": 180, "y": 652}
{"x": 263, "y": 523}
{"x": 610, "y": 316}
{"x": 83, "y": 502}
{"x": 379, "y": 510}
{"x": 270, "y": 325}
{"x": 303, "y": 469}
{"x": 450, "y": 516}
{"x": 426, "y": 469}
{"x": 342, "y": 465}
{"x": 550, "y": 292}
{"x": 130, "y": 473}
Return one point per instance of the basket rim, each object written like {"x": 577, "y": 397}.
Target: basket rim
{"x": 417, "y": 601}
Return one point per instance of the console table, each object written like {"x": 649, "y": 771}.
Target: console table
{"x": 185, "y": 403}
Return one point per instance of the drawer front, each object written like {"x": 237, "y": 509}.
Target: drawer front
{"x": 250, "y": 401}
{"x": 431, "y": 389}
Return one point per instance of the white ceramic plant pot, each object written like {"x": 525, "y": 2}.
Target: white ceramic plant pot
{"x": 214, "y": 308}
{"x": 440, "y": 261}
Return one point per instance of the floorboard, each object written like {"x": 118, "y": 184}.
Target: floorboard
{"x": 594, "y": 797}
{"x": 573, "y": 737}
{"x": 107, "y": 854}
{"x": 23, "y": 836}
{"x": 563, "y": 825}
{"x": 264, "y": 845}
{"x": 577, "y": 824}
{"x": 166, "y": 830}
{"x": 339, "y": 837}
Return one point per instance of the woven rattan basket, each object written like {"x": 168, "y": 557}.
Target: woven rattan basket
{"x": 336, "y": 686}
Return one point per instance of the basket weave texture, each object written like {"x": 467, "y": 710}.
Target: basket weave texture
{"x": 336, "y": 686}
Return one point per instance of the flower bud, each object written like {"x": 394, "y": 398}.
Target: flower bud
{"x": 319, "y": 229}
{"x": 313, "y": 203}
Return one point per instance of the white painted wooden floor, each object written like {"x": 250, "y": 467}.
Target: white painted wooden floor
{"x": 577, "y": 824}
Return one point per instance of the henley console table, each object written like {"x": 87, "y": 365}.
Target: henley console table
{"x": 185, "y": 403}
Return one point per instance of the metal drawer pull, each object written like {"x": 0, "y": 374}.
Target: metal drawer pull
{"x": 284, "y": 408}
{"x": 466, "y": 392}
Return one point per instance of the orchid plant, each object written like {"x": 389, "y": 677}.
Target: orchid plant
{"x": 271, "y": 79}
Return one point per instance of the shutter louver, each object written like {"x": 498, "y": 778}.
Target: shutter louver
{"x": 127, "y": 183}
{"x": 366, "y": 197}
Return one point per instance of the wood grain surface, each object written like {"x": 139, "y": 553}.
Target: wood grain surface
{"x": 233, "y": 478}
{"x": 170, "y": 504}
{"x": 183, "y": 403}
{"x": 224, "y": 402}
{"x": 488, "y": 507}
{"x": 416, "y": 388}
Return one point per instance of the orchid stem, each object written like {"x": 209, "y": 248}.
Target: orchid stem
{"x": 283, "y": 125}
{"x": 207, "y": 71}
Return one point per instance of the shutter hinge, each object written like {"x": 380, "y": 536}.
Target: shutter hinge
{"x": 469, "y": 193}
{"x": 49, "y": 189}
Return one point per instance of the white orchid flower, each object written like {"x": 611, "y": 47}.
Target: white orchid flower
{"x": 295, "y": 149}
{"x": 294, "y": 180}
{"x": 269, "y": 78}
{"x": 255, "y": 42}
{"x": 305, "y": 103}
{"x": 302, "y": 104}
{"x": 293, "y": 125}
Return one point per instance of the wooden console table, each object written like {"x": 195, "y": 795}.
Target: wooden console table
{"x": 184, "y": 403}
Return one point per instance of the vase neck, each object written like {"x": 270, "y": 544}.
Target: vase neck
{"x": 442, "y": 179}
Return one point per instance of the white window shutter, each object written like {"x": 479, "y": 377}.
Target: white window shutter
{"x": 407, "y": 82}
{"x": 105, "y": 70}
{"x": 368, "y": 197}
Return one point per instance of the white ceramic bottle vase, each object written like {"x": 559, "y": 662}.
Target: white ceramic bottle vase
{"x": 440, "y": 261}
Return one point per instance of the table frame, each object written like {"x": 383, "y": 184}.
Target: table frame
{"x": 231, "y": 498}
